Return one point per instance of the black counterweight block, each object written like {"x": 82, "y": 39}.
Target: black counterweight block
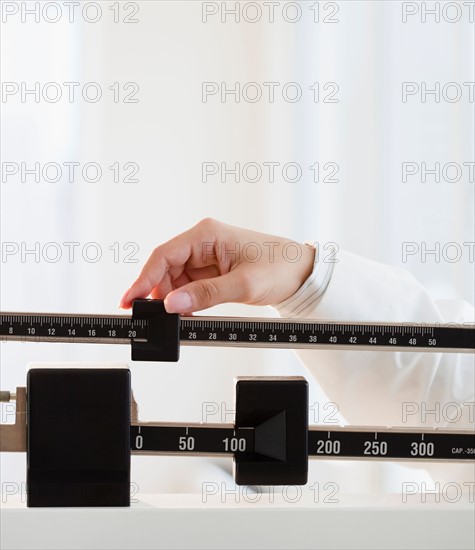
{"x": 277, "y": 409}
{"x": 163, "y": 339}
{"x": 78, "y": 437}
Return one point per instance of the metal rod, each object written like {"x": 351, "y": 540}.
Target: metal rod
{"x": 249, "y": 332}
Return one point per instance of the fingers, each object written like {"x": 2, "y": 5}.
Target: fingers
{"x": 204, "y": 293}
{"x": 154, "y": 274}
{"x": 188, "y": 264}
{"x": 188, "y": 249}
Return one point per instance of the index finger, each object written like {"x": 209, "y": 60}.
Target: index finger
{"x": 178, "y": 251}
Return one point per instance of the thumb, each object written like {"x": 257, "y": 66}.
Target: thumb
{"x": 204, "y": 293}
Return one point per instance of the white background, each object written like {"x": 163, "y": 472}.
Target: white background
{"x": 369, "y": 52}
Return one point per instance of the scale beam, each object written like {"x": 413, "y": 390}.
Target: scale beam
{"x": 155, "y": 335}
{"x": 337, "y": 442}
{"x": 82, "y": 428}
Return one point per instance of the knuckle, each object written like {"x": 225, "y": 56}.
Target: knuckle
{"x": 207, "y": 224}
{"x": 156, "y": 254}
{"x": 207, "y": 292}
{"x": 157, "y": 257}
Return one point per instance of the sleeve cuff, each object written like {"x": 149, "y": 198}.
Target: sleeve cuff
{"x": 304, "y": 300}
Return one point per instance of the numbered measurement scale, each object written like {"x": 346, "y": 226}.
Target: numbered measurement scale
{"x": 82, "y": 457}
{"x": 155, "y": 335}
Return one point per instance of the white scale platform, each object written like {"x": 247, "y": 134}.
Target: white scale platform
{"x": 185, "y": 521}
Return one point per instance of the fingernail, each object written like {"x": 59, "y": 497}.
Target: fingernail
{"x": 124, "y": 299}
{"x": 178, "y": 303}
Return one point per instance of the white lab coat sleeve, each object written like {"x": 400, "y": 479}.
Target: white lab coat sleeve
{"x": 385, "y": 388}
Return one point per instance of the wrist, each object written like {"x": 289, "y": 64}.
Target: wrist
{"x": 305, "y": 299}
{"x": 307, "y": 261}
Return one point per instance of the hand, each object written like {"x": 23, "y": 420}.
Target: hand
{"x": 214, "y": 263}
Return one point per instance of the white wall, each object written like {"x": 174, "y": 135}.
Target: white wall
{"x": 170, "y": 132}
